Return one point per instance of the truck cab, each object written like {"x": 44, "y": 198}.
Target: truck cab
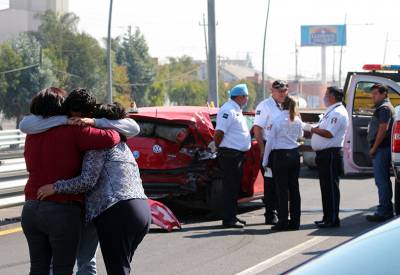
{"x": 360, "y": 109}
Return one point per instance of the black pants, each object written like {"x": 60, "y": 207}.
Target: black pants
{"x": 286, "y": 169}
{"x": 397, "y": 198}
{"x": 270, "y": 197}
{"x": 329, "y": 164}
{"x": 52, "y": 231}
{"x": 121, "y": 228}
{"x": 231, "y": 163}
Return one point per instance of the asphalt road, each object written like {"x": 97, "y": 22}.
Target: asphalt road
{"x": 202, "y": 247}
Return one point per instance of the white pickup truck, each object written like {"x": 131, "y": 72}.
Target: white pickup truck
{"x": 356, "y": 159}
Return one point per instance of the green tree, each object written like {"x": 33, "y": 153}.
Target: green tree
{"x": 132, "y": 52}
{"x": 32, "y": 75}
{"x": 9, "y": 60}
{"x": 78, "y": 58}
{"x": 189, "y": 93}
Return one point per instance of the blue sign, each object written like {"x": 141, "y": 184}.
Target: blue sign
{"x": 328, "y": 35}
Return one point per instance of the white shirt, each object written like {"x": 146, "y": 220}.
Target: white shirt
{"x": 266, "y": 111}
{"x": 284, "y": 134}
{"x": 336, "y": 121}
{"x": 231, "y": 121}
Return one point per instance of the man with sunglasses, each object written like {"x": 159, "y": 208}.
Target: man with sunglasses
{"x": 266, "y": 111}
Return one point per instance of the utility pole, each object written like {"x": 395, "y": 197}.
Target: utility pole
{"x": 333, "y": 69}
{"x": 109, "y": 65}
{"x": 263, "y": 55}
{"x": 296, "y": 53}
{"x": 386, "y": 46}
{"x": 341, "y": 54}
{"x": 212, "y": 55}
{"x": 323, "y": 65}
{"x": 204, "y": 25}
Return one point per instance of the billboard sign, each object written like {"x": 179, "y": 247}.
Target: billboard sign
{"x": 323, "y": 35}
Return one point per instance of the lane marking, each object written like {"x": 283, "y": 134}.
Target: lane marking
{"x": 10, "y": 231}
{"x": 258, "y": 268}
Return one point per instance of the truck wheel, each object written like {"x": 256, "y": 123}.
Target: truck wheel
{"x": 214, "y": 198}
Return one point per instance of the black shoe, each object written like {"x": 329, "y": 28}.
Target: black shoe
{"x": 231, "y": 225}
{"x": 273, "y": 220}
{"x": 279, "y": 227}
{"x": 241, "y": 221}
{"x": 293, "y": 227}
{"x": 319, "y": 222}
{"x": 378, "y": 218}
{"x": 329, "y": 224}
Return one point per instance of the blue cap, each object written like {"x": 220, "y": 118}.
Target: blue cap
{"x": 239, "y": 90}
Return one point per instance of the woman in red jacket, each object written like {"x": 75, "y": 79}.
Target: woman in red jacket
{"x": 52, "y": 226}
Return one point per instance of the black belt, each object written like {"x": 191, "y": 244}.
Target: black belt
{"x": 286, "y": 150}
{"x": 329, "y": 150}
{"x": 228, "y": 152}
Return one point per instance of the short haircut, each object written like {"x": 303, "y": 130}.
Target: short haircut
{"x": 336, "y": 92}
{"x": 48, "y": 102}
{"x": 234, "y": 97}
{"x": 381, "y": 88}
{"x": 80, "y": 100}
{"x": 113, "y": 111}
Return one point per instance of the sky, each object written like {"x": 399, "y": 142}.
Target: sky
{"x": 172, "y": 28}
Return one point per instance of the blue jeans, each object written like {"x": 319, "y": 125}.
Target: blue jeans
{"x": 381, "y": 163}
{"x": 86, "y": 256}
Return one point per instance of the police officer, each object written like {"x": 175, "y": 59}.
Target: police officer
{"x": 327, "y": 140}
{"x": 283, "y": 140}
{"x": 266, "y": 111}
{"x": 232, "y": 138}
{"x": 379, "y": 138}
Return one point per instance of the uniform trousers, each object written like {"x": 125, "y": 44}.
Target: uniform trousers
{"x": 231, "y": 162}
{"x": 286, "y": 169}
{"x": 329, "y": 164}
{"x": 270, "y": 199}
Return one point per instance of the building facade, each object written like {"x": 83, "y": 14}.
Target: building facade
{"x": 21, "y": 15}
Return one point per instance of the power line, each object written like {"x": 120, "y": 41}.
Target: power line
{"x": 20, "y": 69}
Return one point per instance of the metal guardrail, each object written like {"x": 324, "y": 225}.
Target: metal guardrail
{"x": 13, "y": 172}
{"x": 12, "y": 139}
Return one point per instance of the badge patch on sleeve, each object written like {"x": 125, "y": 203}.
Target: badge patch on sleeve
{"x": 225, "y": 115}
{"x": 258, "y": 112}
{"x": 334, "y": 120}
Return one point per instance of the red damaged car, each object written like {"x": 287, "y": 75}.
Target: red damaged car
{"x": 175, "y": 162}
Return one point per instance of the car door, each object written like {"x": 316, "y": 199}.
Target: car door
{"x": 360, "y": 109}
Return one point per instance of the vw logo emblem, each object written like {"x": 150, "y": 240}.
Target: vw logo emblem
{"x": 157, "y": 149}
{"x": 136, "y": 154}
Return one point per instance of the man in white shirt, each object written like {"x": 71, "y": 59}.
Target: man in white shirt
{"x": 266, "y": 111}
{"x": 327, "y": 140}
{"x": 233, "y": 140}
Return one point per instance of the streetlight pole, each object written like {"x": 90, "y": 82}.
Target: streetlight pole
{"x": 341, "y": 53}
{"x": 263, "y": 55}
{"x": 212, "y": 55}
{"x": 109, "y": 65}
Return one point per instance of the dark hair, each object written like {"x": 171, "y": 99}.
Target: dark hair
{"x": 381, "y": 88}
{"x": 336, "y": 92}
{"x": 110, "y": 111}
{"x": 48, "y": 102}
{"x": 290, "y": 104}
{"x": 113, "y": 111}
{"x": 80, "y": 100}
